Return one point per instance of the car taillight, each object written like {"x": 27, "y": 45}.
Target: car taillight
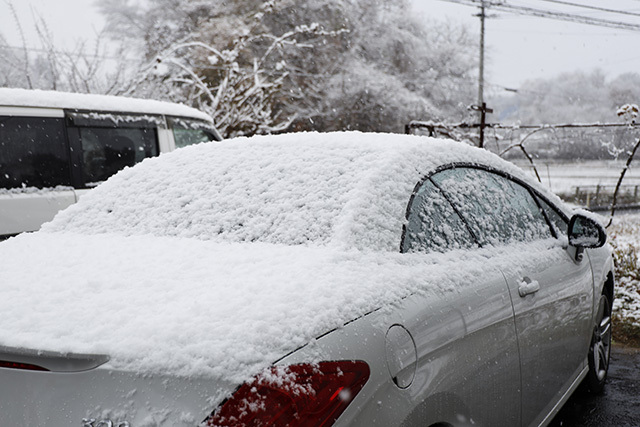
{"x": 302, "y": 395}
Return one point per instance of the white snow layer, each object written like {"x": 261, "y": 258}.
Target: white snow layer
{"x": 195, "y": 308}
{"x": 117, "y": 273}
{"x": 11, "y": 97}
{"x": 347, "y": 190}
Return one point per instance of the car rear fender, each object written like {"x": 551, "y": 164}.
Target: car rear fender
{"x": 602, "y": 267}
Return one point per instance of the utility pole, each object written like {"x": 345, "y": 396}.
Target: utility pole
{"x": 482, "y": 106}
{"x": 481, "y": 77}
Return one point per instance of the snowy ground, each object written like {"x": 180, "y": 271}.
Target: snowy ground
{"x": 625, "y": 238}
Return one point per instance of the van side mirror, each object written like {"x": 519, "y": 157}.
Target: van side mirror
{"x": 586, "y": 232}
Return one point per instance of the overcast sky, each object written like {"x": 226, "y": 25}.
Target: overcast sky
{"x": 526, "y": 47}
{"x": 518, "y": 47}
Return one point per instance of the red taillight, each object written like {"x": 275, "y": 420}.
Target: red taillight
{"x": 303, "y": 395}
{"x": 18, "y": 365}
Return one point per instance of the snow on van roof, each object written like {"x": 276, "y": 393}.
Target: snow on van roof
{"x": 12, "y": 97}
{"x": 346, "y": 189}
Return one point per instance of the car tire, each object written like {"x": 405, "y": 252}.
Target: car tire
{"x": 600, "y": 348}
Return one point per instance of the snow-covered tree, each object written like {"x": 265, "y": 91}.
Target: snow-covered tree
{"x": 12, "y": 65}
{"x": 624, "y": 89}
{"x": 566, "y": 98}
{"x": 576, "y": 97}
{"x": 261, "y": 66}
{"x": 573, "y": 98}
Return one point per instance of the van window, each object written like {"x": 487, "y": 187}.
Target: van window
{"x": 33, "y": 153}
{"x": 189, "y": 132}
{"x": 105, "y": 151}
{"x": 109, "y": 142}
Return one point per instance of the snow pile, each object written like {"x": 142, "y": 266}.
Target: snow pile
{"x": 189, "y": 307}
{"x": 80, "y": 101}
{"x": 347, "y": 190}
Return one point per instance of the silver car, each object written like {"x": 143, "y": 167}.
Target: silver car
{"x": 345, "y": 279}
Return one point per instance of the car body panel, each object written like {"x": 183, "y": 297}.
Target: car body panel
{"x": 468, "y": 369}
{"x": 27, "y": 211}
{"x": 553, "y": 327}
{"x": 474, "y": 332}
{"x": 103, "y": 394}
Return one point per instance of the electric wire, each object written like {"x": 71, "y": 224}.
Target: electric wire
{"x": 542, "y": 13}
{"x": 584, "y": 6}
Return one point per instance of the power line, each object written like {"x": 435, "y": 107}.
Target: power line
{"x": 562, "y": 16}
{"x": 563, "y": 33}
{"x": 541, "y": 13}
{"x": 584, "y": 6}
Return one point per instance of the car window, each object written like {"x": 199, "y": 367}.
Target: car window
{"x": 105, "y": 151}
{"x": 496, "y": 209}
{"x": 559, "y": 224}
{"x": 433, "y": 224}
{"x": 33, "y": 153}
{"x": 184, "y": 137}
{"x": 188, "y": 132}
{"x": 110, "y": 141}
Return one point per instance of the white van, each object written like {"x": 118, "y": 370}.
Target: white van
{"x": 55, "y": 146}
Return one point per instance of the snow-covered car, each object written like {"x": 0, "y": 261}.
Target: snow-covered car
{"x": 310, "y": 279}
{"x": 55, "y": 146}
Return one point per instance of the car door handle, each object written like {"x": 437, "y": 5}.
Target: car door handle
{"x": 528, "y": 287}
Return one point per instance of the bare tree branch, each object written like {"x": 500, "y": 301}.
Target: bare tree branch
{"x": 16, "y": 20}
{"x": 622, "y": 174}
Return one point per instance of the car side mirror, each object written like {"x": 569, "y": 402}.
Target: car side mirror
{"x": 586, "y": 232}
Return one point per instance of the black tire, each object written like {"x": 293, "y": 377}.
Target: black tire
{"x": 600, "y": 348}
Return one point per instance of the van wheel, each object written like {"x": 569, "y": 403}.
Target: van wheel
{"x": 600, "y": 348}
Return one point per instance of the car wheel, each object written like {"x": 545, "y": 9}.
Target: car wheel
{"x": 600, "y": 348}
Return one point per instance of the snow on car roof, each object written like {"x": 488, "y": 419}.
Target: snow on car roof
{"x": 341, "y": 189}
{"x": 12, "y": 97}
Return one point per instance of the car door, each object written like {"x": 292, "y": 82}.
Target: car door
{"x": 552, "y": 299}
{"x": 551, "y": 292}
{"x": 468, "y": 368}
